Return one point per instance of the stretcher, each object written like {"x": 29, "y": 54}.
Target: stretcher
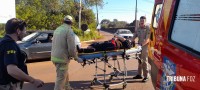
{"x": 105, "y": 56}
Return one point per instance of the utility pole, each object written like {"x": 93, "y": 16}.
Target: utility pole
{"x": 97, "y": 14}
{"x": 79, "y": 24}
{"x": 136, "y": 15}
{"x": 97, "y": 18}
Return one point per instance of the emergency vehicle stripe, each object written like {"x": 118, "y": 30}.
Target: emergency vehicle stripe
{"x": 189, "y": 17}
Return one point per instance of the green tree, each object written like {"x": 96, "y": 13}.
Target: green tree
{"x": 48, "y": 14}
{"x": 121, "y": 24}
{"x": 91, "y": 3}
{"x": 104, "y": 23}
{"x": 111, "y": 25}
{"x": 32, "y": 13}
{"x": 2, "y": 31}
{"x": 133, "y": 23}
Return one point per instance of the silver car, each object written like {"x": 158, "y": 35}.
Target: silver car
{"x": 38, "y": 44}
{"x": 124, "y": 33}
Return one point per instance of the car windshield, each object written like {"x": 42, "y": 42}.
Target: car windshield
{"x": 124, "y": 32}
{"x": 29, "y": 37}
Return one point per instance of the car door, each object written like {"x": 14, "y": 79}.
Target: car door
{"x": 40, "y": 48}
{"x": 155, "y": 46}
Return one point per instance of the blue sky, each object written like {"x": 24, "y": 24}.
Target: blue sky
{"x": 124, "y": 10}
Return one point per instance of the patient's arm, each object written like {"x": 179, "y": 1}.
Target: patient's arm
{"x": 89, "y": 47}
{"x": 120, "y": 38}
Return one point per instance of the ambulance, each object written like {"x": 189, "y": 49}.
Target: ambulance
{"x": 174, "y": 49}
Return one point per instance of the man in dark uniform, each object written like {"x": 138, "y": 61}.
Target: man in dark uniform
{"x": 13, "y": 69}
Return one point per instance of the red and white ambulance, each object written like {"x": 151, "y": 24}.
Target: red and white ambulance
{"x": 174, "y": 50}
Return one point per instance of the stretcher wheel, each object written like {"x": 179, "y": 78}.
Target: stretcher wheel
{"x": 92, "y": 83}
{"x": 111, "y": 78}
{"x": 106, "y": 89}
{"x": 124, "y": 85}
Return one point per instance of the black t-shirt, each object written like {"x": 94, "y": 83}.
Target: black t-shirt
{"x": 10, "y": 53}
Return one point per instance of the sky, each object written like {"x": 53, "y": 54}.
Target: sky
{"x": 124, "y": 10}
{"x": 5, "y": 15}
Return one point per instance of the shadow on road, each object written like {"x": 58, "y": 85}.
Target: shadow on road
{"x": 129, "y": 73}
{"x": 47, "y": 86}
{"x": 37, "y": 60}
{"x": 86, "y": 85}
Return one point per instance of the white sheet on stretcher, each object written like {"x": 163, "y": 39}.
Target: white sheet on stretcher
{"x": 100, "y": 54}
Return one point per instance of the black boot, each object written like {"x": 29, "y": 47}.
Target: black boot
{"x": 137, "y": 77}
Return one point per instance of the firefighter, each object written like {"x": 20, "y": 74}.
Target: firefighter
{"x": 63, "y": 50}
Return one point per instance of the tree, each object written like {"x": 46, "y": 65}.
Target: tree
{"x": 111, "y": 25}
{"x": 115, "y": 21}
{"x": 121, "y": 24}
{"x": 2, "y": 31}
{"x": 32, "y": 13}
{"x": 56, "y": 10}
{"x": 88, "y": 16}
{"x": 133, "y": 23}
{"x": 91, "y": 3}
{"x": 49, "y": 14}
{"x": 105, "y": 21}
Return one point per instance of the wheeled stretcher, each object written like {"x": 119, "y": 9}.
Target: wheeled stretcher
{"x": 105, "y": 56}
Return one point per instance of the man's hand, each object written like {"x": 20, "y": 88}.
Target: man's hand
{"x": 79, "y": 60}
{"x": 139, "y": 48}
{"x": 145, "y": 42}
{"x": 17, "y": 73}
{"x": 38, "y": 83}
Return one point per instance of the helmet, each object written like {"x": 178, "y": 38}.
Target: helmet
{"x": 68, "y": 18}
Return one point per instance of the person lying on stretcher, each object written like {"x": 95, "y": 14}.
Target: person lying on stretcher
{"x": 113, "y": 44}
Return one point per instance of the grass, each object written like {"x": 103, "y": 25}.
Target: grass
{"x": 92, "y": 35}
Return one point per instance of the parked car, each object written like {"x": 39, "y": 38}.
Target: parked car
{"x": 38, "y": 44}
{"x": 124, "y": 33}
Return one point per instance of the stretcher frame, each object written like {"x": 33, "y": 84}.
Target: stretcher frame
{"x": 90, "y": 58}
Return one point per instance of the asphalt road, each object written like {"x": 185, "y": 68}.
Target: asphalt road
{"x": 81, "y": 77}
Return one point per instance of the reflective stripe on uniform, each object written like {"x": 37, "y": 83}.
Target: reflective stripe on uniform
{"x": 57, "y": 60}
